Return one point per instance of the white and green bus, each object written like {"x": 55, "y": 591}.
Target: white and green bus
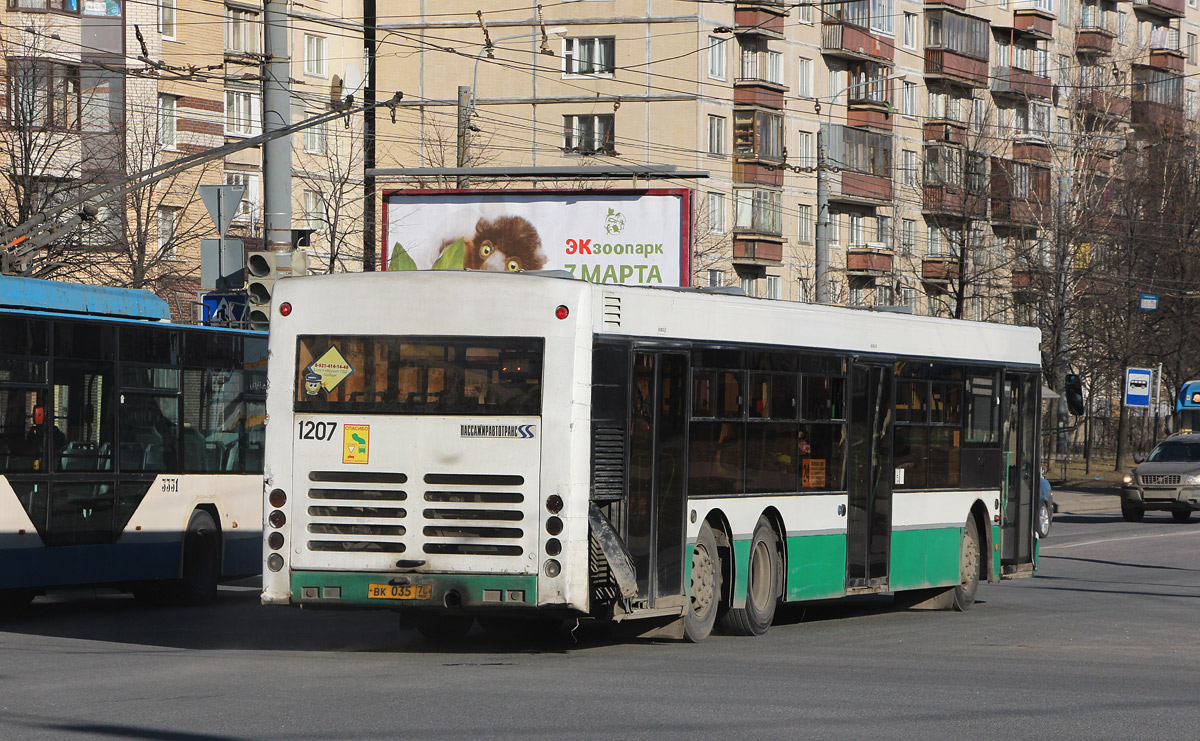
{"x": 456, "y": 445}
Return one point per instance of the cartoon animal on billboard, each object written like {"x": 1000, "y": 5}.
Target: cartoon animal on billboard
{"x": 505, "y": 243}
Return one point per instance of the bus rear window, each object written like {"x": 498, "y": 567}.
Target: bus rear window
{"x": 419, "y": 375}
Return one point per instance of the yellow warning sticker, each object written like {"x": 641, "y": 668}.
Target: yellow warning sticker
{"x": 332, "y": 368}
{"x": 356, "y": 443}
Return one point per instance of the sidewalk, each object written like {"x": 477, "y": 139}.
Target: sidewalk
{"x": 1078, "y": 499}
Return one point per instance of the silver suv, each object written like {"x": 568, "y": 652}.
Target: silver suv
{"x": 1168, "y": 480}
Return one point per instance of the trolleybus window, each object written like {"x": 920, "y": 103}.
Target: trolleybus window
{"x": 419, "y": 375}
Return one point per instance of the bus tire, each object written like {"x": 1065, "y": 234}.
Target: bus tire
{"x": 14, "y": 600}
{"x": 704, "y": 589}
{"x": 444, "y": 627}
{"x": 968, "y": 568}
{"x": 762, "y": 585}
{"x": 201, "y": 560}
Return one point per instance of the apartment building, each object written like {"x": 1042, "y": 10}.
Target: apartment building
{"x": 963, "y": 139}
{"x": 97, "y": 90}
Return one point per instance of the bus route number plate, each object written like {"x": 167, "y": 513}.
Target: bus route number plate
{"x": 399, "y": 591}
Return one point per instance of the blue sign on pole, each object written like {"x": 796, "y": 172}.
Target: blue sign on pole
{"x": 1148, "y": 301}
{"x": 223, "y": 309}
{"x": 1137, "y": 387}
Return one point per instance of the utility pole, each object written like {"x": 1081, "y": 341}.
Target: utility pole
{"x": 822, "y": 252}
{"x": 369, "y": 40}
{"x": 277, "y": 153}
{"x": 464, "y": 131}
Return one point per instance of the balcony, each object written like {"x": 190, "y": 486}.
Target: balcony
{"x": 847, "y": 41}
{"x": 756, "y": 172}
{"x": 861, "y": 187}
{"x": 939, "y": 268}
{"x": 945, "y": 130}
{"x": 1146, "y": 115}
{"x": 757, "y": 92}
{"x": 869, "y": 113}
{"x": 1163, "y": 8}
{"x": 959, "y": 4}
{"x": 869, "y": 260}
{"x": 1167, "y": 60}
{"x": 1028, "y": 278}
{"x": 1031, "y": 149}
{"x": 940, "y": 199}
{"x": 757, "y": 251}
{"x": 1105, "y": 104}
{"x": 759, "y": 19}
{"x": 1033, "y": 22}
{"x": 1094, "y": 41}
{"x": 1018, "y": 83}
{"x": 946, "y": 64}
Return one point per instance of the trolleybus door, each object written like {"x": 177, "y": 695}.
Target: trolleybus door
{"x": 654, "y": 524}
{"x": 1021, "y": 393}
{"x": 869, "y": 477}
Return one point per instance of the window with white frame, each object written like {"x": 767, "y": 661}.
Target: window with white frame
{"x": 749, "y": 285}
{"x": 883, "y": 14}
{"x": 908, "y": 99}
{"x": 592, "y": 56}
{"x": 804, "y": 150}
{"x": 758, "y": 210}
{"x": 910, "y": 30}
{"x": 716, "y": 213}
{"x": 908, "y": 168}
{"x": 775, "y": 67}
{"x": 716, "y": 136}
{"x": 241, "y": 31}
{"x": 316, "y": 62}
{"x": 313, "y": 203}
{"x": 588, "y": 134}
{"x": 804, "y": 217}
{"x": 806, "y": 12}
{"x": 772, "y": 287}
{"x": 858, "y": 291}
{"x": 168, "y": 123}
{"x": 241, "y": 113}
{"x": 1039, "y": 123}
{"x": 1063, "y": 135}
{"x": 1191, "y": 48}
{"x": 166, "y": 18}
{"x": 908, "y": 236}
{"x": 716, "y": 58}
{"x": 167, "y": 224}
{"x": 804, "y": 71}
{"x": 855, "y": 234}
{"x": 1189, "y": 103}
{"x": 1122, "y": 27}
{"x": 933, "y": 244}
{"x": 716, "y": 278}
{"x": 908, "y": 297}
{"x": 314, "y": 138}
{"x": 883, "y": 230}
{"x": 248, "y": 206}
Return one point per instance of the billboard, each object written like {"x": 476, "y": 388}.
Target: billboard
{"x": 635, "y": 237}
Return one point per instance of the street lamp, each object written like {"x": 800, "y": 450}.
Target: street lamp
{"x": 822, "y": 247}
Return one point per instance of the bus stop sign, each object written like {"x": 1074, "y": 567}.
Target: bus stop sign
{"x": 1137, "y": 387}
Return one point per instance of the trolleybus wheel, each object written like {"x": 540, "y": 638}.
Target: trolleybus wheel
{"x": 12, "y": 600}
{"x": 201, "y": 560}
{"x": 968, "y": 568}
{"x": 444, "y": 627}
{"x": 762, "y": 585}
{"x": 704, "y": 592}
{"x": 1132, "y": 512}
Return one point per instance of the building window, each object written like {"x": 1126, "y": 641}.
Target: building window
{"x": 716, "y": 278}
{"x": 934, "y": 244}
{"x": 908, "y": 297}
{"x": 167, "y": 224}
{"x": 804, "y": 150}
{"x": 804, "y": 71}
{"x": 314, "y": 138}
{"x": 70, "y": 7}
{"x": 772, "y": 287}
{"x": 858, "y": 291}
{"x": 758, "y": 134}
{"x": 248, "y": 206}
{"x": 758, "y": 210}
{"x": 43, "y": 95}
{"x": 1189, "y": 103}
{"x": 315, "y": 61}
{"x": 805, "y": 12}
{"x": 749, "y": 286}
{"x": 908, "y": 99}
{"x": 589, "y": 56}
{"x": 910, "y": 30}
{"x": 716, "y": 58}
{"x": 241, "y": 31}
{"x": 314, "y": 210}
{"x": 166, "y": 18}
{"x": 716, "y": 213}
{"x": 168, "y": 123}
{"x": 590, "y": 134}
{"x": 908, "y": 236}
{"x": 855, "y": 235}
{"x": 908, "y": 168}
{"x": 716, "y": 135}
{"x": 804, "y": 215}
{"x": 1191, "y": 48}
{"x": 241, "y": 113}
{"x": 883, "y": 231}
{"x": 775, "y": 67}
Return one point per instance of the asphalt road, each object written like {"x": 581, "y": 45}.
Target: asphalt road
{"x": 1101, "y": 644}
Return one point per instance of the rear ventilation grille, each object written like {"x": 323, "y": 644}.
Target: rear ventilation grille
{"x": 608, "y": 463}
{"x": 612, "y": 311}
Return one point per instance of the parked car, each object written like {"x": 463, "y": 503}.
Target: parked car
{"x": 1168, "y": 480}
{"x": 1045, "y": 508}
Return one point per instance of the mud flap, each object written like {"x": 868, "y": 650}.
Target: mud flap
{"x": 620, "y": 564}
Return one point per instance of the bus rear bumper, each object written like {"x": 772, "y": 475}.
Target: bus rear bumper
{"x": 424, "y": 591}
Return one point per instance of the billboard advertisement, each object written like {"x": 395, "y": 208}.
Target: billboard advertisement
{"x": 635, "y": 237}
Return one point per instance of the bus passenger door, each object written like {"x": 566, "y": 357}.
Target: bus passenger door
{"x": 869, "y": 477}
{"x": 1021, "y": 394}
{"x": 654, "y": 524}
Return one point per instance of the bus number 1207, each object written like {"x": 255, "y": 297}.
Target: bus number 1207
{"x": 317, "y": 430}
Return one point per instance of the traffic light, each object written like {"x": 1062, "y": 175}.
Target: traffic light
{"x": 263, "y": 268}
{"x": 1074, "y": 392}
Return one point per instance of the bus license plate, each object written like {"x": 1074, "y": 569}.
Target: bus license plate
{"x": 399, "y": 591}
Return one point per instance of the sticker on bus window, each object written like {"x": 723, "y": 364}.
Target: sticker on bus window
{"x": 356, "y": 443}
{"x": 812, "y": 474}
{"x": 332, "y": 369}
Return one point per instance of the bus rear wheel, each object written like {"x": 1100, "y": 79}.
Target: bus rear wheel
{"x": 201, "y": 560}
{"x": 968, "y": 568}
{"x": 762, "y": 585}
{"x": 704, "y": 592}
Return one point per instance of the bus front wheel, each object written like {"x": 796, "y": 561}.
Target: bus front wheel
{"x": 968, "y": 568}
{"x": 762, "y": 585}
{"x": 704, "y": 592}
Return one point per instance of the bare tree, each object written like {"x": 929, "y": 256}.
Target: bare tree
{"x": 329, "y": 171}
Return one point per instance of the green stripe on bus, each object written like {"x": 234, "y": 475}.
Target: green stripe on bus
{"x": 925, "y": 558}
{"x": 741, "y": 567}
{"x": 816, "y": 566}
{"x": 353, "y": 588}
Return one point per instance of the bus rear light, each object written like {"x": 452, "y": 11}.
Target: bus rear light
{"x": 274, "y": 562}
{"x": 277, "y": 518}
{"x": 551, "y": 567}
{"x": 275, "y": 541}
{"x": 554, "y": 526}
{"x": 553, "y": 547}
{"x": 277, "y": 498}
{"x": 285, "y": 309}
{"x": 554, "y": 504}
{"x": 561, "y": 312}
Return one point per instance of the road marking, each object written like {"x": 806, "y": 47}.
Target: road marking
{"x": 1114, "y": 540}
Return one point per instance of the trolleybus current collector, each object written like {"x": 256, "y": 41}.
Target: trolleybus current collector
{"x": 456, "y": 445}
